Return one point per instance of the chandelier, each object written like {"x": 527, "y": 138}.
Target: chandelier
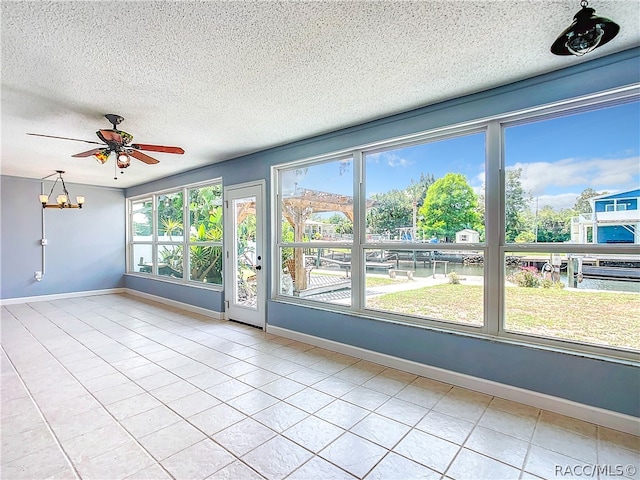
{"x": 63, "y": 200}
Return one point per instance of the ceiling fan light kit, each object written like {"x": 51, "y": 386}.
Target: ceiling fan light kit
{"x": 118, "y": 142}
{"x": 585, "y": 34}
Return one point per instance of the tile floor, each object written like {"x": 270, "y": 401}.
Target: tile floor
{"x": 113, "y": 387}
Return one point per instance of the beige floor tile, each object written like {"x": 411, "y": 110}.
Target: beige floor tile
{"x": 365, "y": 398}
{"x": 258, "y": 377}
{"x": 157, "y": 380}
{"x": 335, "y": 386}
{"x": 430, "y": 451}
{"x": 208, "y": 379}
{"x": 566, "y": 442}
{"x": 608, "y": 436}
{"x": 342, "y": 414}
{"x": 395, "y": 467}
{"x": 252, "y": 402}
{"x": 192, "y": 404}
{"x": 574, "y": 425}
{"x": 550, "y": 465}
{"x": 307, "y": 376}
{"x": 354, "y": 454}
{"x": 313, "y": 433}
{"x": 40, "y": 464}
{"x": 170, "y": 440}
{"x": 117, "y": 393}
{"x": 132, "y": 406}
{"x": 419, "y": 396}
{"x": 385, "y": 385}
{"x": 381, "y": 430}
{"x": 216, "y": 418}
{"x": 150, "y": 421}
{"x": 282, "y": 388}
{"x": 514, "y": 408}
{"x": 18, "y": 445}
{"x": 174, "y": 391}
{"x": 280, "y": 416}
{"x": 154, "y": 472}
{"x": 401, "y": 411}
{"x": 277, "y": 458}
{"x": 236, "y": 471}
{"x": 469, "y": 465}
{"x": 66, "y": 425}
{"x": 498, "y": 446}
{"x": 198, "y": 461}
{"x": 518, "y": 426}
{"x": 447, "y": 427}
{"x": 319, "y": 469}
{"x": 243, "y": 436}
{"x": 310, "y": 400}
{"x": 228, "y": 390}
{"x": 468, "y": 408}
{"x": 95, "y": 442}
{"x": 118, "y": 463}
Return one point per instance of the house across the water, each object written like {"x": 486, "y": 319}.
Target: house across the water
{"x": 615, "y": 218}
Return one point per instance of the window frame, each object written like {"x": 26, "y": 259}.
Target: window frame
{"x": 186, "y": 243}
{"x": 494, "y": 247}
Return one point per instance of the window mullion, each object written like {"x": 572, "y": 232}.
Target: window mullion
{"x": 494, "y": 231}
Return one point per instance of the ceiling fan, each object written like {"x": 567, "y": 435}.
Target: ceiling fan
{"x": 119, "y": 142}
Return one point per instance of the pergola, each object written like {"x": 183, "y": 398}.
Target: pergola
{"x": 297, "y": 209}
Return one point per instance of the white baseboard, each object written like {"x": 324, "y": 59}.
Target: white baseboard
{"x": 59, "y": 296}
{"x": 598, "y": 416}
{"x": 184, "y": 306}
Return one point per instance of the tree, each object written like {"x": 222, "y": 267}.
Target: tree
{"x": 554, "y": 226}
{"x": 582, "y": 204}
{"x": 449, "y": 206}
{"x": 391, "y": 210}
{"x": 517, "y": 202}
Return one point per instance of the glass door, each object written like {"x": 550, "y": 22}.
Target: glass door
{"x": 245, "y": 289}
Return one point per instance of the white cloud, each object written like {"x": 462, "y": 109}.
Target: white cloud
{"x": 557, "y": 202}
{"x": 391, "y": 159}
{"x": 598, "y": 173}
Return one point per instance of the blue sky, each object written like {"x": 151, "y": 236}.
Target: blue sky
{"x": 559, "y": 158}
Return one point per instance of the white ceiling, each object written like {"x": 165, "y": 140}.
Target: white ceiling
{"x": 223, "y": 78}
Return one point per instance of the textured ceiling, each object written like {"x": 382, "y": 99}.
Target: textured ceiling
{"x": 222, "y": 79}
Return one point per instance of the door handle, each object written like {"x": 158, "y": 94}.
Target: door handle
{"x": 258, "y": 267}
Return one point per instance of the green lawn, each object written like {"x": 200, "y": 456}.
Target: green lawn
{"x": 605, "y": 318}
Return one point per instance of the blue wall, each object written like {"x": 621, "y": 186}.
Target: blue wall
{"x": 86, "y": 248}
{"x": 600, "y": 383}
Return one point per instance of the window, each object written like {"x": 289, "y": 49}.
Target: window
{"x": 504, "y": 228}
{"x": 316, "y": 230}
{"x": 417, "y": 196}
{"x": 555, "y": 288}
{"x": 178, "y": 234}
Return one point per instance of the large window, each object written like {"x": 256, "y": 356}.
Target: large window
{"x": 178, "y": 234}
{"x": 526, "y": 226}
{"x": 570, "y": 209}
{"x": 315, "y": 240}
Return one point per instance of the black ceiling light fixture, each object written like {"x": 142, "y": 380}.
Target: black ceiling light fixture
{"x": 586, "y": 33}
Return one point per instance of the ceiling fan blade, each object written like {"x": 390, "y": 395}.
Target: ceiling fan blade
{"x": 89, "y": 153}
{"x": 142, "y": 157}
{"x": 158, "y": 148}
{"x": 110, "y": 136}
{"x": 63, "y": 138}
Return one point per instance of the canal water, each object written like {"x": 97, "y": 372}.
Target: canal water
{"x": 475, "y": 270}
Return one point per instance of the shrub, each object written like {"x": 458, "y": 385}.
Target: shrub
{"x": 454, "y": 278}
{"x": 526, "y": 277}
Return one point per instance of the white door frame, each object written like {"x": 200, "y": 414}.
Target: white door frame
{"x": 252, "y": 316}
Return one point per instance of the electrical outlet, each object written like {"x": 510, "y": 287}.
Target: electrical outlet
{"x": 38, "y": 276}
{"x": 43, "y": 242}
